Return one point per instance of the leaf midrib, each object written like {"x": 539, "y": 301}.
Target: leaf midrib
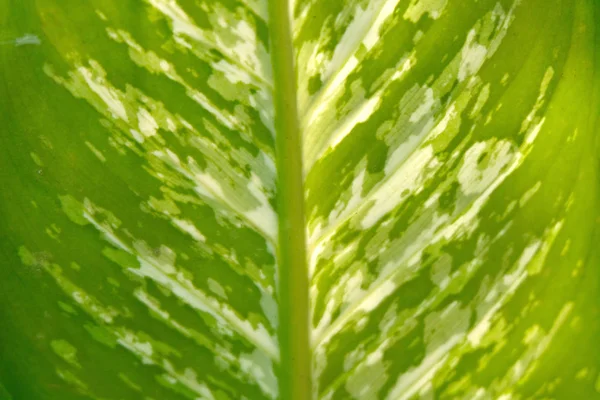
{"x": 295, "y": 366}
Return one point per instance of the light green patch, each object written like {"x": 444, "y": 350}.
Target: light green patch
{"x": 36, "y": 159}
{"x": 26, "y": 257}
{"x": 73, "y": 209}
{"x": 418, "y": 8}
{"x": 129, "y": 382}
{"x": 67, "y": 308}
{"x": 96, "y": 152}
{"x": 66, "y": 351}
{"x": 72, "y": 379}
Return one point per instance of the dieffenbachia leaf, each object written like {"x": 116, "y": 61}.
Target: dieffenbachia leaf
{"x": 326, "y": 199}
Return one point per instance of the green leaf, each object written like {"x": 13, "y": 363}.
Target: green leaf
{"x": 315, "y": 199}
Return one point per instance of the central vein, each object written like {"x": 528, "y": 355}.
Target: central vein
{"x": 295, "y": 367}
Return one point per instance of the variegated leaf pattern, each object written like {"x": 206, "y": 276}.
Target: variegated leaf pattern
{"x": 452, "y": 197}
{"x": 146, "y": 131}
{"x": 451, "y": 194}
